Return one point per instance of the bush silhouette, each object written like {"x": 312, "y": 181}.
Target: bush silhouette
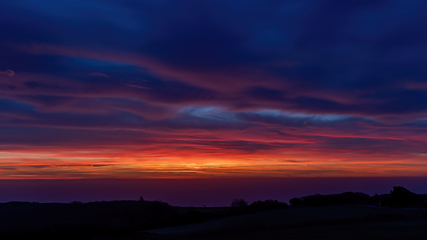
{"x": 295, "y": 201}
{"x": 267, "y": 205}
{"x": 402, "y": 197}
{"x": 239, "y": 202}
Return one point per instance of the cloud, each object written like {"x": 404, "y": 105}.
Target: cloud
{"x": 97, "y": 74}
{"x": 8, "y": 72}
{"x": 249, "y": 82}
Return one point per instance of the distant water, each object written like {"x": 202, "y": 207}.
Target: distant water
{"x": 196, "y": 192}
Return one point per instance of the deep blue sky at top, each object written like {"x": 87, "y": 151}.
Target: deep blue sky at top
{"x": 372, "y": 52}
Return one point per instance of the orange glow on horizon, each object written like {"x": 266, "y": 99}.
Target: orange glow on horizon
{"x": 100, "y": 164}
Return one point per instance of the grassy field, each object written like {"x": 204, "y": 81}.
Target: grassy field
{"x": 331, "y": 222}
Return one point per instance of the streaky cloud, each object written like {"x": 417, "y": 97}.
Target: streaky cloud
{"x": 8, "y": 73}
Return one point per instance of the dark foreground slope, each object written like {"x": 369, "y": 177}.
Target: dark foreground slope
{"x": 25, "y": 220}
{"x": 326, "y": 222}
{"x": 128, "y": 219}
{"x": 398, "y": 215}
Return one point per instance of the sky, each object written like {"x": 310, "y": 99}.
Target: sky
{"x": 162, "y": 89}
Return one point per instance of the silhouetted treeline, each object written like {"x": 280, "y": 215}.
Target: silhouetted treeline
{"x": 331, "y": 199}
{"x": 398, "y": 197}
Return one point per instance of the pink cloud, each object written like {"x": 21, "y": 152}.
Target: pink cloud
{"x": 8, "y": 72}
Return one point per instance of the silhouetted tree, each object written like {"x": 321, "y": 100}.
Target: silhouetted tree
{"x": 295, "y": 201}
{"x": 239, "y": 202}
{"x": 402, "y": 197}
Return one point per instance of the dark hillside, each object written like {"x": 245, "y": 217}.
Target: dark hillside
{"x": 116, "y": 218}
{"x": 121, "y": 219}
{"x": 347, "y": 222}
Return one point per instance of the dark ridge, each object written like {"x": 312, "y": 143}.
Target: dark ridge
{"x": 77, "y": 220}
{"x": 399, "y": 197}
